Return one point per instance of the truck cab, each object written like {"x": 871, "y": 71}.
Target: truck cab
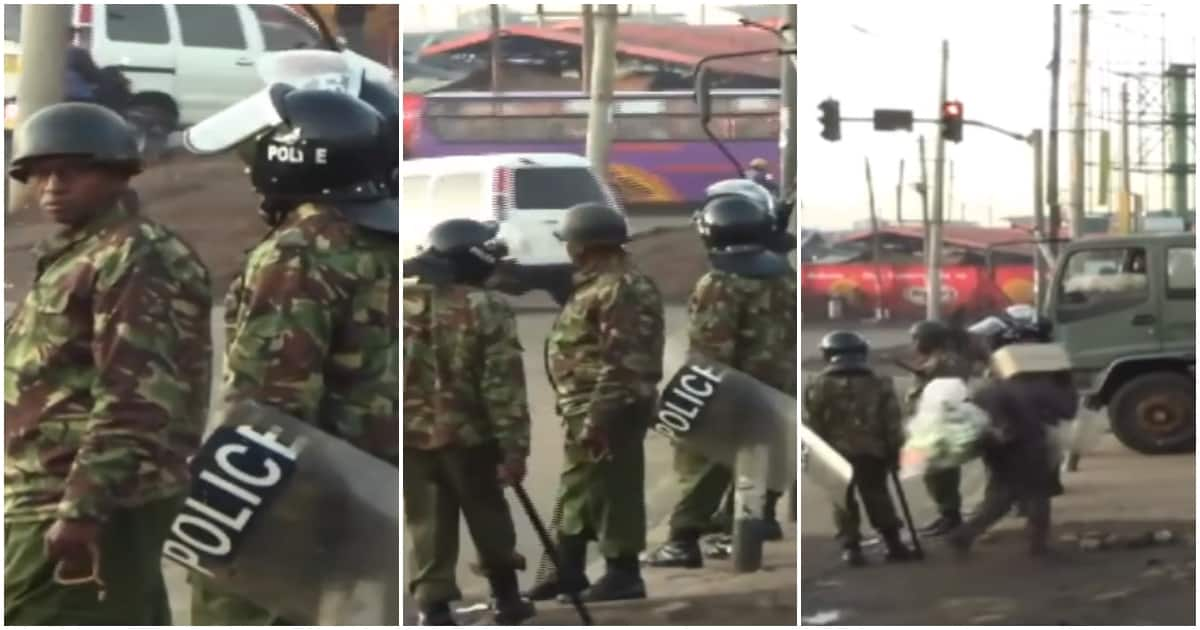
{"x": 1125, "y": 308}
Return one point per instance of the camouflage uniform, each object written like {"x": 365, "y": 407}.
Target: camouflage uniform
{"x": 465, "y": 412}
{"x": 858, "y": 414}
{"x": 604, "y": 357}
{"x": 942, "y": 484}
{"x": 312, "y": 328}
{"x": 107, "y": 367}
{"x": 745, "y": 323}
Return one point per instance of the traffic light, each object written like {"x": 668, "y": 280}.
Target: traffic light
{"x": 952, "y": 121}
{"x": 831, "y": 120}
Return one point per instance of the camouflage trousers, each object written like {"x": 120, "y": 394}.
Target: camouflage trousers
{"x": 703, "y": 484}
{"x": 438, "y": 485}
{"x": 130, "y": 566}
{"x": 870, "y": 479}
{"x": 605, "y": 500}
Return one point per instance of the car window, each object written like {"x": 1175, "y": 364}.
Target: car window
{"x": 556, "y": 188}
{"x": 284, "y": 30}
{"x": 1104, "y": 276}
{"x": 12, "y": 23}
{"x": 1181, "y": 272}
{"x": 457, "y": 193}
{"x": 211, "y": 26}
{"x": 137, "y": 23}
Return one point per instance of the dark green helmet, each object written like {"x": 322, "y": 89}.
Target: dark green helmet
{"x": 592, "y": 224}
{"x": 76, "y": 130}
{"x": 845, "y": 348}
{"x": 929, "y": 335}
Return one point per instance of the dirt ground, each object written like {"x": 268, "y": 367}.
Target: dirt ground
{"x": 209, "y": 202}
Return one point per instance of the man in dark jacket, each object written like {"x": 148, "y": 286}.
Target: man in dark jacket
{"x": 1017, "y": 452}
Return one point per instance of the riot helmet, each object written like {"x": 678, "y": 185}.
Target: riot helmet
{"x": 929, "y": 335}
{"x": 387, "y": 102}
{"x": 731, "y": 221}
{"x": 742, "y": 186}
{"x": 592, "y": 224}
{"x": 77, "y": 130}
{"x": 845, "y": 349}
{"x": 470, "y": 247}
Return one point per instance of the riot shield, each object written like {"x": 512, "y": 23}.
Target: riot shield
{"x": 293, "y": 519}
{"x": 1020, "y": 358}
{"x": 824, "y": 466}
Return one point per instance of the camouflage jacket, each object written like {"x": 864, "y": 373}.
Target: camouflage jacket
{"x": 464, "y": 380}
{"x": 605, "y": 350}
{"x": 857, "y": 413}
{"x": 107, "y": 370}
{"x": 939, "y": 364}
{"x": 312, "y": 328}
{"x": 748, "y": 324}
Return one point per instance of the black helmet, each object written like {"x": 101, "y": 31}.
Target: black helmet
{"x": 929, "y": 335}
{"x": 470, "y": 246}
{"x": 843, "y": 348}
{"x": 733, "y": 221}
{"x": 592, "y": 224}
{"x": 78, "y": 130}
{"x": 743, "y": 186}
{"x": 385, "y": 101}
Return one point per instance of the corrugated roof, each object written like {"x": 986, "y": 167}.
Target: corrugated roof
{"x": 672, "y": 43}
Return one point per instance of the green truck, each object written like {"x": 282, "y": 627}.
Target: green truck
{"x": 1125, "y": 307}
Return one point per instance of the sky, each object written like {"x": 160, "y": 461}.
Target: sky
{"x": 871, "y": 55}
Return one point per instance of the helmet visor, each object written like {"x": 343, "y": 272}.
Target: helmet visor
{"x": 229, "y": 127}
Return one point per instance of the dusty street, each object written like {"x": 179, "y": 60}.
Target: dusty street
{"x": 1116, "y": 493}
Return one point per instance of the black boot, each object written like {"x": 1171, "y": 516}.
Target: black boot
{"x": 621, "y": 581}
{"x": 572, "y": 558}
{"x": 437, "y": 615}
{"x": 511, "y": 609}
{"x": 853, "y": 556}
{"x": 943, "y": 525}
{"x": 771, "y": 529}
{"x": 682, "y": 550}
{"x": 896, "y": 550}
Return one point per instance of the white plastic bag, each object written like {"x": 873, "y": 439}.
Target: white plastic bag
{"x": 946, "y": 428}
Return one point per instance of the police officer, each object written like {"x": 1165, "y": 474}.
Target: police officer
{"x": 107, "y": 369}
{"x": 936, "y": 359}
{"x": 312, "y": 322}
{"x": 743, "y": 314}
{"x": 856, "y": 412}
{"x": 760, "y": 174}
{"x": 604, "y": 358}
{"x": 466, "y": 422}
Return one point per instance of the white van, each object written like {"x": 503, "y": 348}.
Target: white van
{"x": 527, "y": 193}
{"x": 185, "y": 61}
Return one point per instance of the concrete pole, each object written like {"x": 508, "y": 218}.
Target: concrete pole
{"x": 1039, "y": 220}
{"x": 925, "y": 222}
{"x": 1079, "y": 147}
{"x": 900, "y": 196}
{"x": 950, "y": 190}
{"x": 589, "y": 44}
{"x": 43, "y": 64}
{"x": 604, "y": 67}
{"x": 497, "y": 61}
{"x": 933, "y": 280}
{"x": 787, "y": 109}
{"x": 1126, "y": 221}
{"x": 1052, "y": 139}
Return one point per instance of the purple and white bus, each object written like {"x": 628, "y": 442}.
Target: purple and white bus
{"x": 660, "y": 157}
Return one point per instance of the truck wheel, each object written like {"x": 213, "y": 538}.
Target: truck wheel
{"x": 1155, "y": 413}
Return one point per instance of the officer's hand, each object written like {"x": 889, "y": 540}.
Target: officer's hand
{"x": 71, "y": 542}
{"x": 595, "y": 440}
{"x": 511, "y": 471}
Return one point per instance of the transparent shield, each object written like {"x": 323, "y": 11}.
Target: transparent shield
{"x": 311, "y": 69}
{"x": 229, "y": 127}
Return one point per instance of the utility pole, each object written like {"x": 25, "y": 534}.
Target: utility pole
{"x": 1039, "y": 220}
{"x": 44, "y": 60}
{"x": 875, "y": 251}
{"x": 787, "y": 111}
{"x": 1123, "y": 204}
{"x": 600, "y": 119}
{"x": 933, "y": 279}
{"x": 1052, "y": 140}
{"x": 1078, "y": 151}
{"x": 925, "y": 218}
{"x": 950, "y": 191}
{"x": 497, "y": 62}
{"x": 900, "y": 195}
{"x": 589, "y": 44}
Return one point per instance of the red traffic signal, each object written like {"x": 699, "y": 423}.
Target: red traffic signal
{"x": 952, "y": 121}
